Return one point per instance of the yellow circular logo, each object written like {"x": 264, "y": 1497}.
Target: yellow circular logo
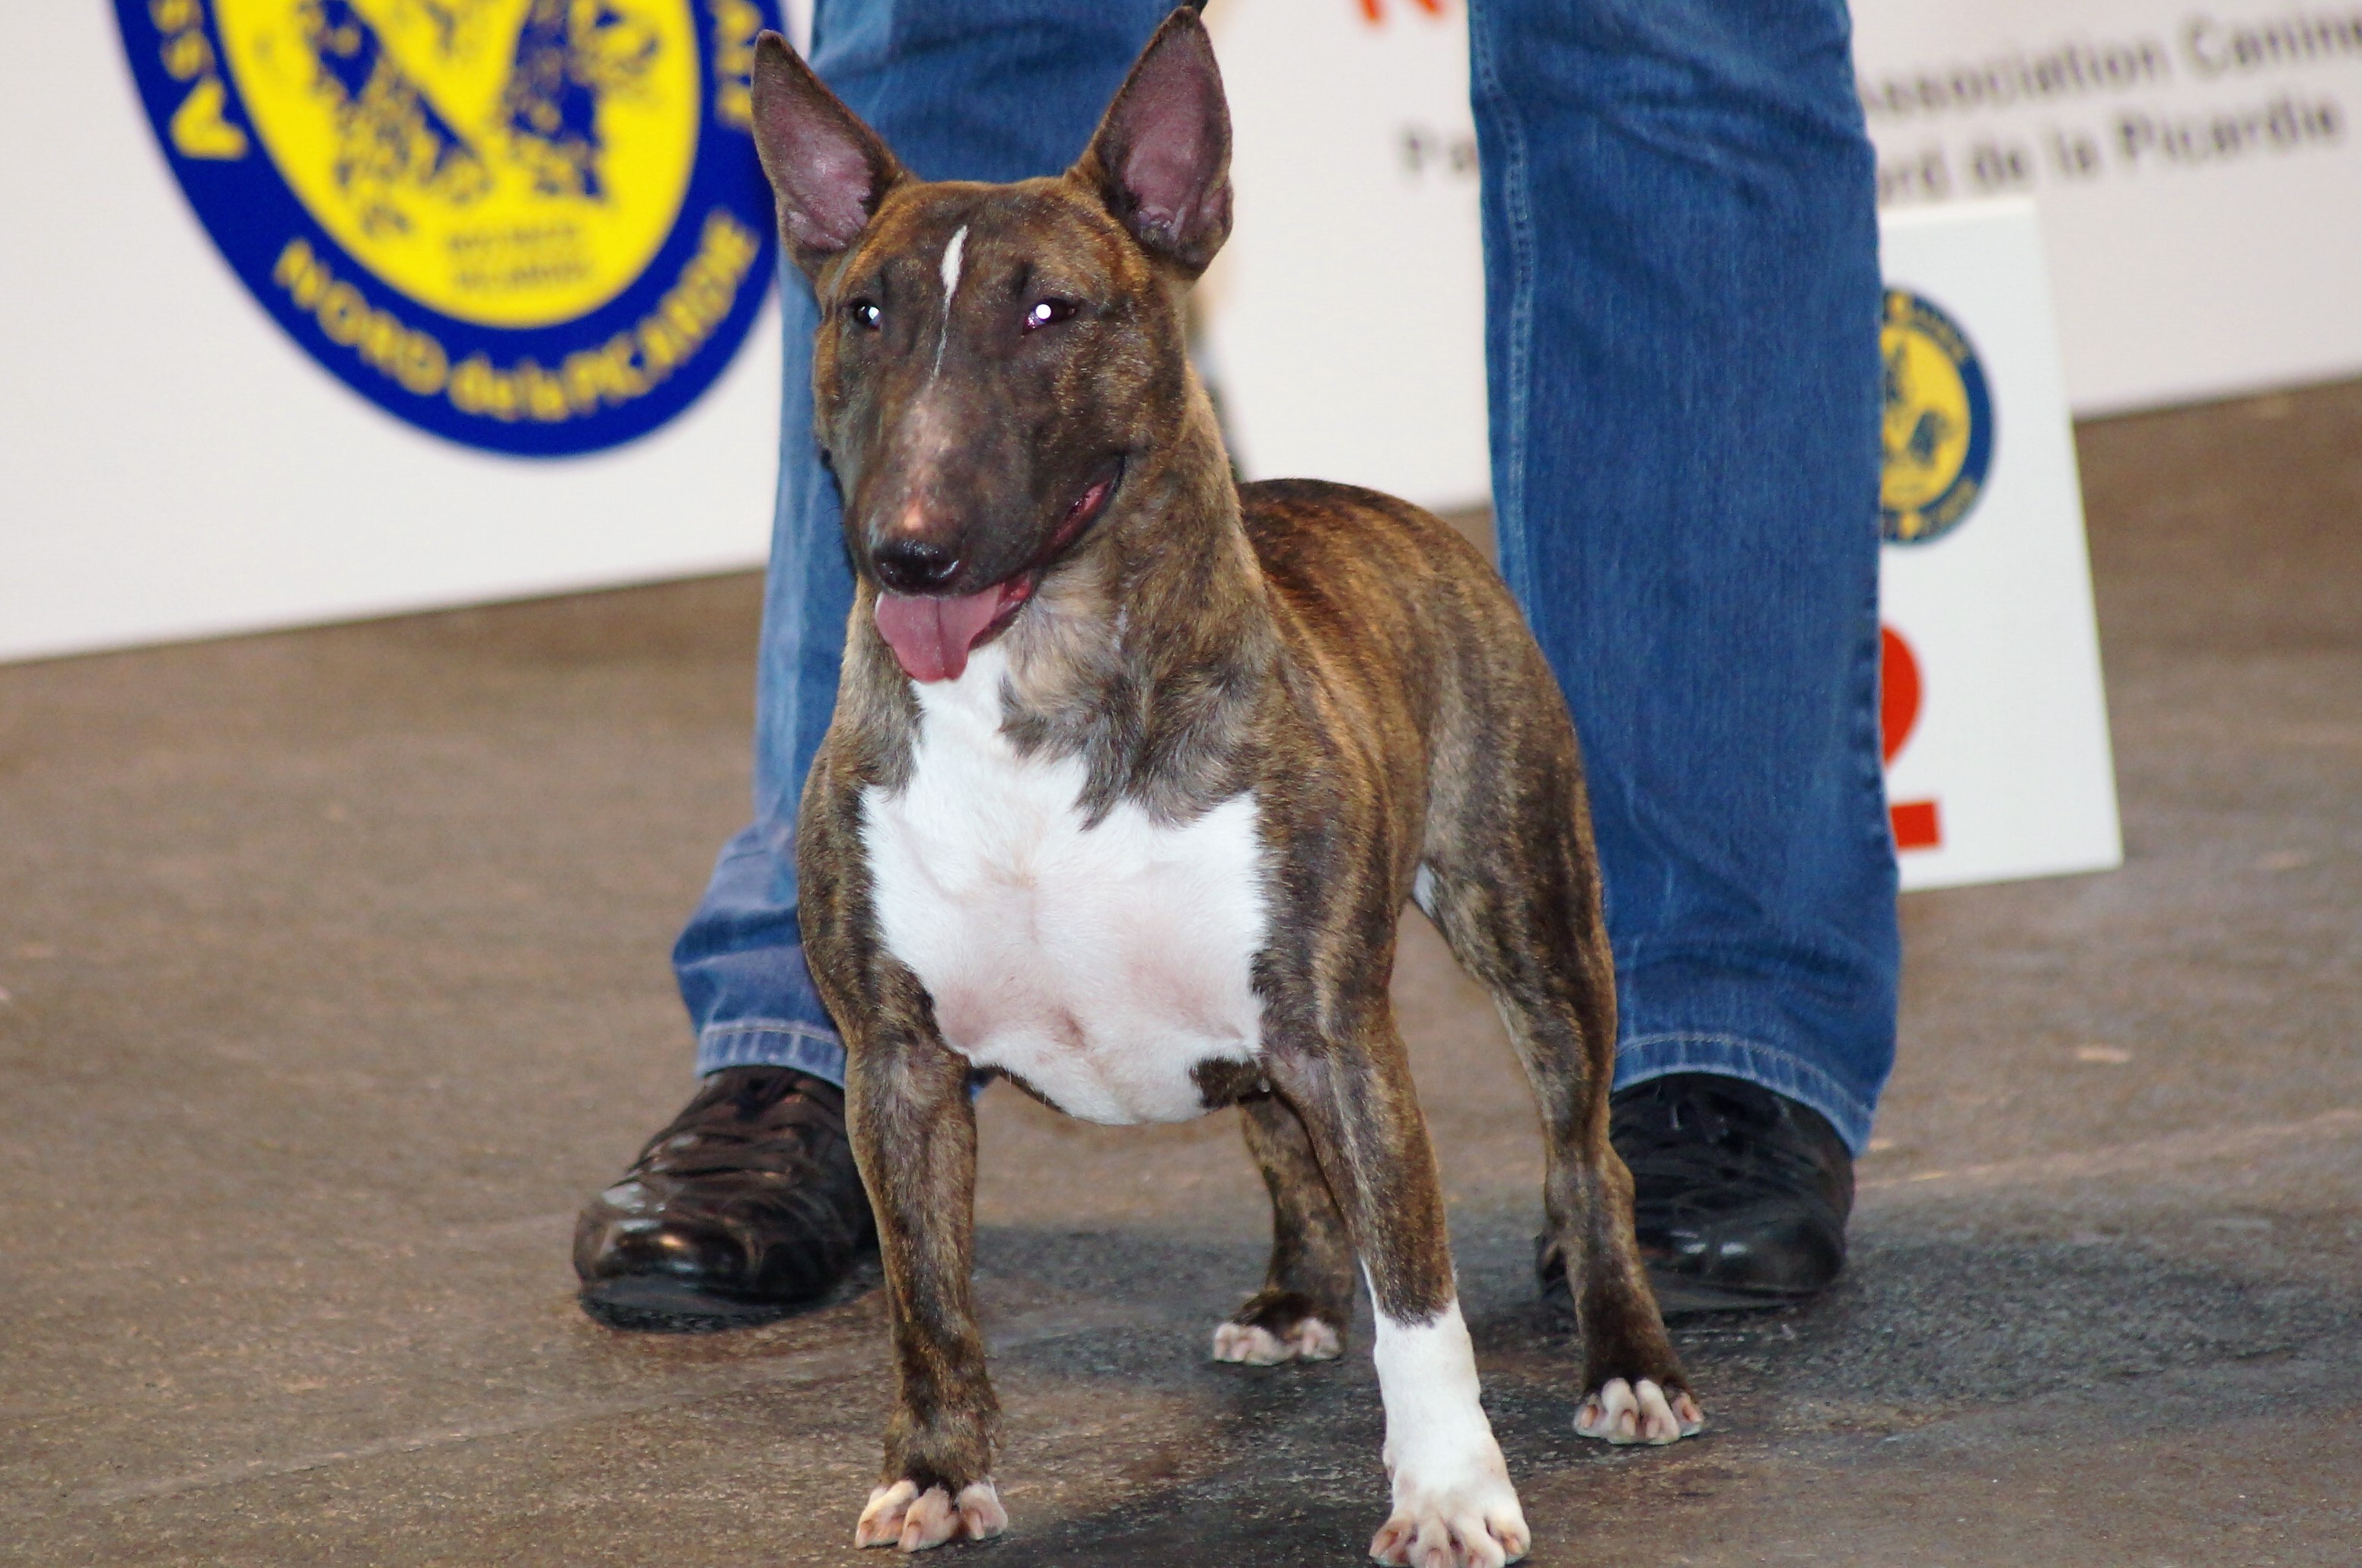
{"x": 532, "y": 225}
{"x": 508, "y": 163}
{"x": 1938, "y": 426}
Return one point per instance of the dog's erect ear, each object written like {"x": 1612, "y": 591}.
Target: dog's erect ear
{"x": 828, "y": 169}
{"x": 1161, "y": 159}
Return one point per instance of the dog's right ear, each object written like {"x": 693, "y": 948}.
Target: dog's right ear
{"x": 828, "y": 169}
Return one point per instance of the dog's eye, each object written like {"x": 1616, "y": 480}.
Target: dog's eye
{"x": 1048, "y": 313}
{"x": 864, "y": 313}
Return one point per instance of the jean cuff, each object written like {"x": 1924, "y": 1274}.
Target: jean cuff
{"x": 771, "y": 1043}
{"x": 1646, "y": 1057}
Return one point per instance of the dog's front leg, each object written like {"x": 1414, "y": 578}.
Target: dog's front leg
{"x": 914, "y": 1134}
{"x": 1453, "y": 1500}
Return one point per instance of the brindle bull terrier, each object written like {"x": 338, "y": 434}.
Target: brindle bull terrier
{"x": 1131, "y": 773}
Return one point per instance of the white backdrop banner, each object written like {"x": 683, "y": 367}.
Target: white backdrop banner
{"x": 2198, "y": 168}
{"x": 218, "y": 417}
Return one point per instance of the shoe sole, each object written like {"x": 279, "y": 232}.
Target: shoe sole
{"x": 645, "y": 1305}
{"x": 656, "y": 1304}
{"x": 1678, "y": 1297}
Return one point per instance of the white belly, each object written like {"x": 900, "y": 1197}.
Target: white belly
{"x": 1098, "y": 965}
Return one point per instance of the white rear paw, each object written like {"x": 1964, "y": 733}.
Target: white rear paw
{"x": 1477, "y": 1524}
{"x": 1251, "y": 1345}
{"x": 1621, "y": 1412}
{"x": 899, "y": 1514}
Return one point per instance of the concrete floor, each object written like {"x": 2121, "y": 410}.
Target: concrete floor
{"x": 334, "y": 980}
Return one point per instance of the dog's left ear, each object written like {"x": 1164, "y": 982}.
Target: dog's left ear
{"x": 828, "y": 169}
{"x": 1161, "y": 159}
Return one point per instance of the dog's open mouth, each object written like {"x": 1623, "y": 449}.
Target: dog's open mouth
{"x": 932, "y": 636}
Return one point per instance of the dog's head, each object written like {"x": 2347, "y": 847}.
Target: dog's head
{"x": 992, "y": 360}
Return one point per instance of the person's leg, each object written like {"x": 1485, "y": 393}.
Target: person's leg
{"x": 746, "y": 1202}
{"x": 1681, "y": 300}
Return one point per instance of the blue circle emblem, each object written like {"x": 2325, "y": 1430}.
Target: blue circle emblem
{"x": 534, "y": 226}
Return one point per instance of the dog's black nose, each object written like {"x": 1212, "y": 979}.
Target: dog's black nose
{"x": 913, "y": 566}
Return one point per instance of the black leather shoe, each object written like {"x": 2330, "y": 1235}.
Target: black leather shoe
{"x": 1739, "y": 1196}
{"x": 745, "y": 1209}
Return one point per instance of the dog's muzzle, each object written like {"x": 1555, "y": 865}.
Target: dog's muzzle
{"x": 933, "y": 634}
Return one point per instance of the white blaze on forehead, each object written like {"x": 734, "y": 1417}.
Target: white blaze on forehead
{"x": 951, "y": 262}
{"x": 951, "y": 270}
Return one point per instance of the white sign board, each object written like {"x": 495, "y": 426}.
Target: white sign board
{"x": 2198, "y": 168}
{"x": 175, "y": 462}
{"x": 1995, "y": 724}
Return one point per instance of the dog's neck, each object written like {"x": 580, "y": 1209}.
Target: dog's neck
{"x": 1146, "y": 653}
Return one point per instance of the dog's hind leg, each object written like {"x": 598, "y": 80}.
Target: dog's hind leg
{"x": 1511, "y": 881}
{"x": 1307, "y": 1300}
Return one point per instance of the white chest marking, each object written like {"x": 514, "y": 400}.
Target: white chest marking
{"x": 1099, "y": 964}
{"x": 951, "y": 270}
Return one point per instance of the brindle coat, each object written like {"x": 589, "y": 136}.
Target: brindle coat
{"x": 1343, "y": 655}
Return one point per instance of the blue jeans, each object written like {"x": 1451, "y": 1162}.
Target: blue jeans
{"x": 1682, "y": 295}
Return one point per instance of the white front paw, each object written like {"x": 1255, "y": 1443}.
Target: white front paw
{"x": 899, "y": 1514}
{"x": 1473, "y": 1522}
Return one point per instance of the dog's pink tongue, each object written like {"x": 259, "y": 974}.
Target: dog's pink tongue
{"x": 932, "y": 636}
